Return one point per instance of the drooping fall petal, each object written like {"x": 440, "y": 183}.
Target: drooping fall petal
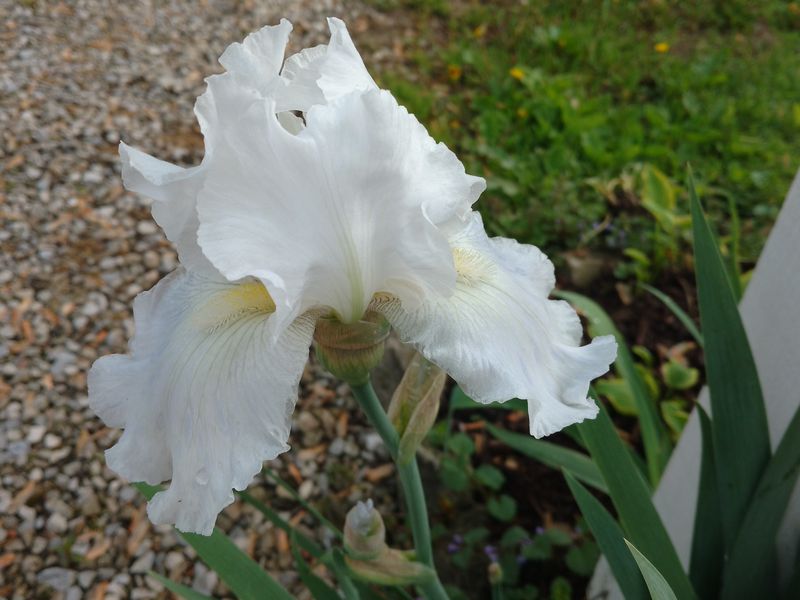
{"x": 205, "y": 396}
{"x": 500, "y": 337}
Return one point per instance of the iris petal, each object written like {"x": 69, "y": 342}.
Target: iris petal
{"x": 205, "y": 396}
{"x": 341, "y": 211}
{"x": 499, "y": 335}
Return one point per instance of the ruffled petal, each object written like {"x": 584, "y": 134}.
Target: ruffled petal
{"x": 253, "y": 68}
{"x": 324, "y": 73}
{"x": 499, "y": 335}
{"x": 205, "y": 395}
{"x": 258, "y": 59}
{"x": 174, "y": 191}
{"x": 338, "y": 212}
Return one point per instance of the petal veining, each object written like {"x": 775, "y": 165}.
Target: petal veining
{"x": 499, "y": 335}
{"x": 205, "y": 396}
{"x": 342, "y": 210}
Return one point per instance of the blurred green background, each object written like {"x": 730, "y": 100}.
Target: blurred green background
{"x": 582, "y": 116}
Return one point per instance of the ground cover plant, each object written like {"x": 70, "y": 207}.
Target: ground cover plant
{"x": 583, "y": 115}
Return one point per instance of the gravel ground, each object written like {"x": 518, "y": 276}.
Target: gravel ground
{"x": 75, "y": 248}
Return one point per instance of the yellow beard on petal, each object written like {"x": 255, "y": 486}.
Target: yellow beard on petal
{"x": 471, "y": 266}
{"x": 247, "y": 298}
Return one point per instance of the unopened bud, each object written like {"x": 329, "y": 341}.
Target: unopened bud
{"x": 364, "y": 532}
{"x": 351, "y": 350}
{"x": 495, "y": 572}
{"x": 370, "y": 558}
{"x": 415, "y": 404}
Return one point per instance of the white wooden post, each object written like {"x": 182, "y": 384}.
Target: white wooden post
{"x": 771, "y": 313}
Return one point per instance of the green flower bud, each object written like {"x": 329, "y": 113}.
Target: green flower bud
{"x": 415, "y": 404}
{"x": 351, "y": 350}
{"x": 368, "y": 555}
{"x": 495, "y": 573}
{"x": 364, "y": 532}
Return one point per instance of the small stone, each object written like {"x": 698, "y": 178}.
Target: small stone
{"x": 74, "y": 593}
{"x": 51, "y": 441}
{"x": 58, "y": 578}
{"x": 146, "y": 227}
{"x": 337, "y": 447}
{"x": 57, "y": 523}
{"x": 174, "y": 560}
{"x": 144, "y": 563}
{"x": 36, "y": 433}
{"x": 306, "y": 489}
{"x": 373, "y": 442}
{"x": 86, "y": 579}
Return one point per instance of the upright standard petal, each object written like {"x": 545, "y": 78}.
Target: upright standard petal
{"x": 500, "y": 336}
{"x": 324, "y": 73}
{"x": 205, "y": 396}
{"x": 253, "y": 68}
{"x": 258, "y": 59}
{"x": 338, "y": 212}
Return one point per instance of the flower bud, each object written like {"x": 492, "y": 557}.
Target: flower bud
{"x": 495, "y": 573}
{"x": 351, "y": 350}
{"x": 364, "y": 532}
{"x": 415, "y": 404}
{"x": 368, "y": 555}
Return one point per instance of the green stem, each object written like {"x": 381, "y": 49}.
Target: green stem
{"x": 410, "y": 482}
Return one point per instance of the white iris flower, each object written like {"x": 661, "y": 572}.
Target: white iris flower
{"x": 318, "y": 195}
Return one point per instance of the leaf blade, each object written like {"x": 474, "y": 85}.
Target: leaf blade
{"x": 708, "y": 548}
{"x": 679, "y": 313}
{"x": 553, "y": 455}
{"x": 656, "y": 583}
{"x": 752, "y": 558}
{"x": 611, "y": 540}
{"x": 657, "y": 444}
{"x": 178, "y": 588}
{"x": 739, "y": 423}
{"x": 631, "y": 497}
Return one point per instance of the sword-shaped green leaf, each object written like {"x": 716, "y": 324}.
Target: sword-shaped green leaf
{"x": 611, "y": 540}
{"x": 739, "y": 426}
{"x": 657, "y": 445}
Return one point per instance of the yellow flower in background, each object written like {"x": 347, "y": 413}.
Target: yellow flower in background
{"x": 480, "y": 31}
{"x": 522, "y": 113}
{"x": 661, "y": 47}
{"x": 454, "y": 72}
{"x": 517, "y": 73}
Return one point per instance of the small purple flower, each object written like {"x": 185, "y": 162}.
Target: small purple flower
{"x": 539, "y": 530}
{"x": 456, "y": 542}
{"x": 491, "y": 553}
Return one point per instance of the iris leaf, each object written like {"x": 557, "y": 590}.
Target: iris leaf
{"x": 708, "y": 549}
{"x": 611, "y": 540}
{"x": 552, "y": 455}
{"x": 657, "y": 444}
{"x": 658, "y": 586}
{"x": 739, "y": 426}
{"x": 631, "y": 497}
{"x": 749, "y": 572}
{"x": 178, "y": 588}
{"x": 679, "y": 313}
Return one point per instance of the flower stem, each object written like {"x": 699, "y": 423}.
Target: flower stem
{"x": 411, "y": 483}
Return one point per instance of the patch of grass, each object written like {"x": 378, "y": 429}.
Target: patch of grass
{"x": 556, "y": 103}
